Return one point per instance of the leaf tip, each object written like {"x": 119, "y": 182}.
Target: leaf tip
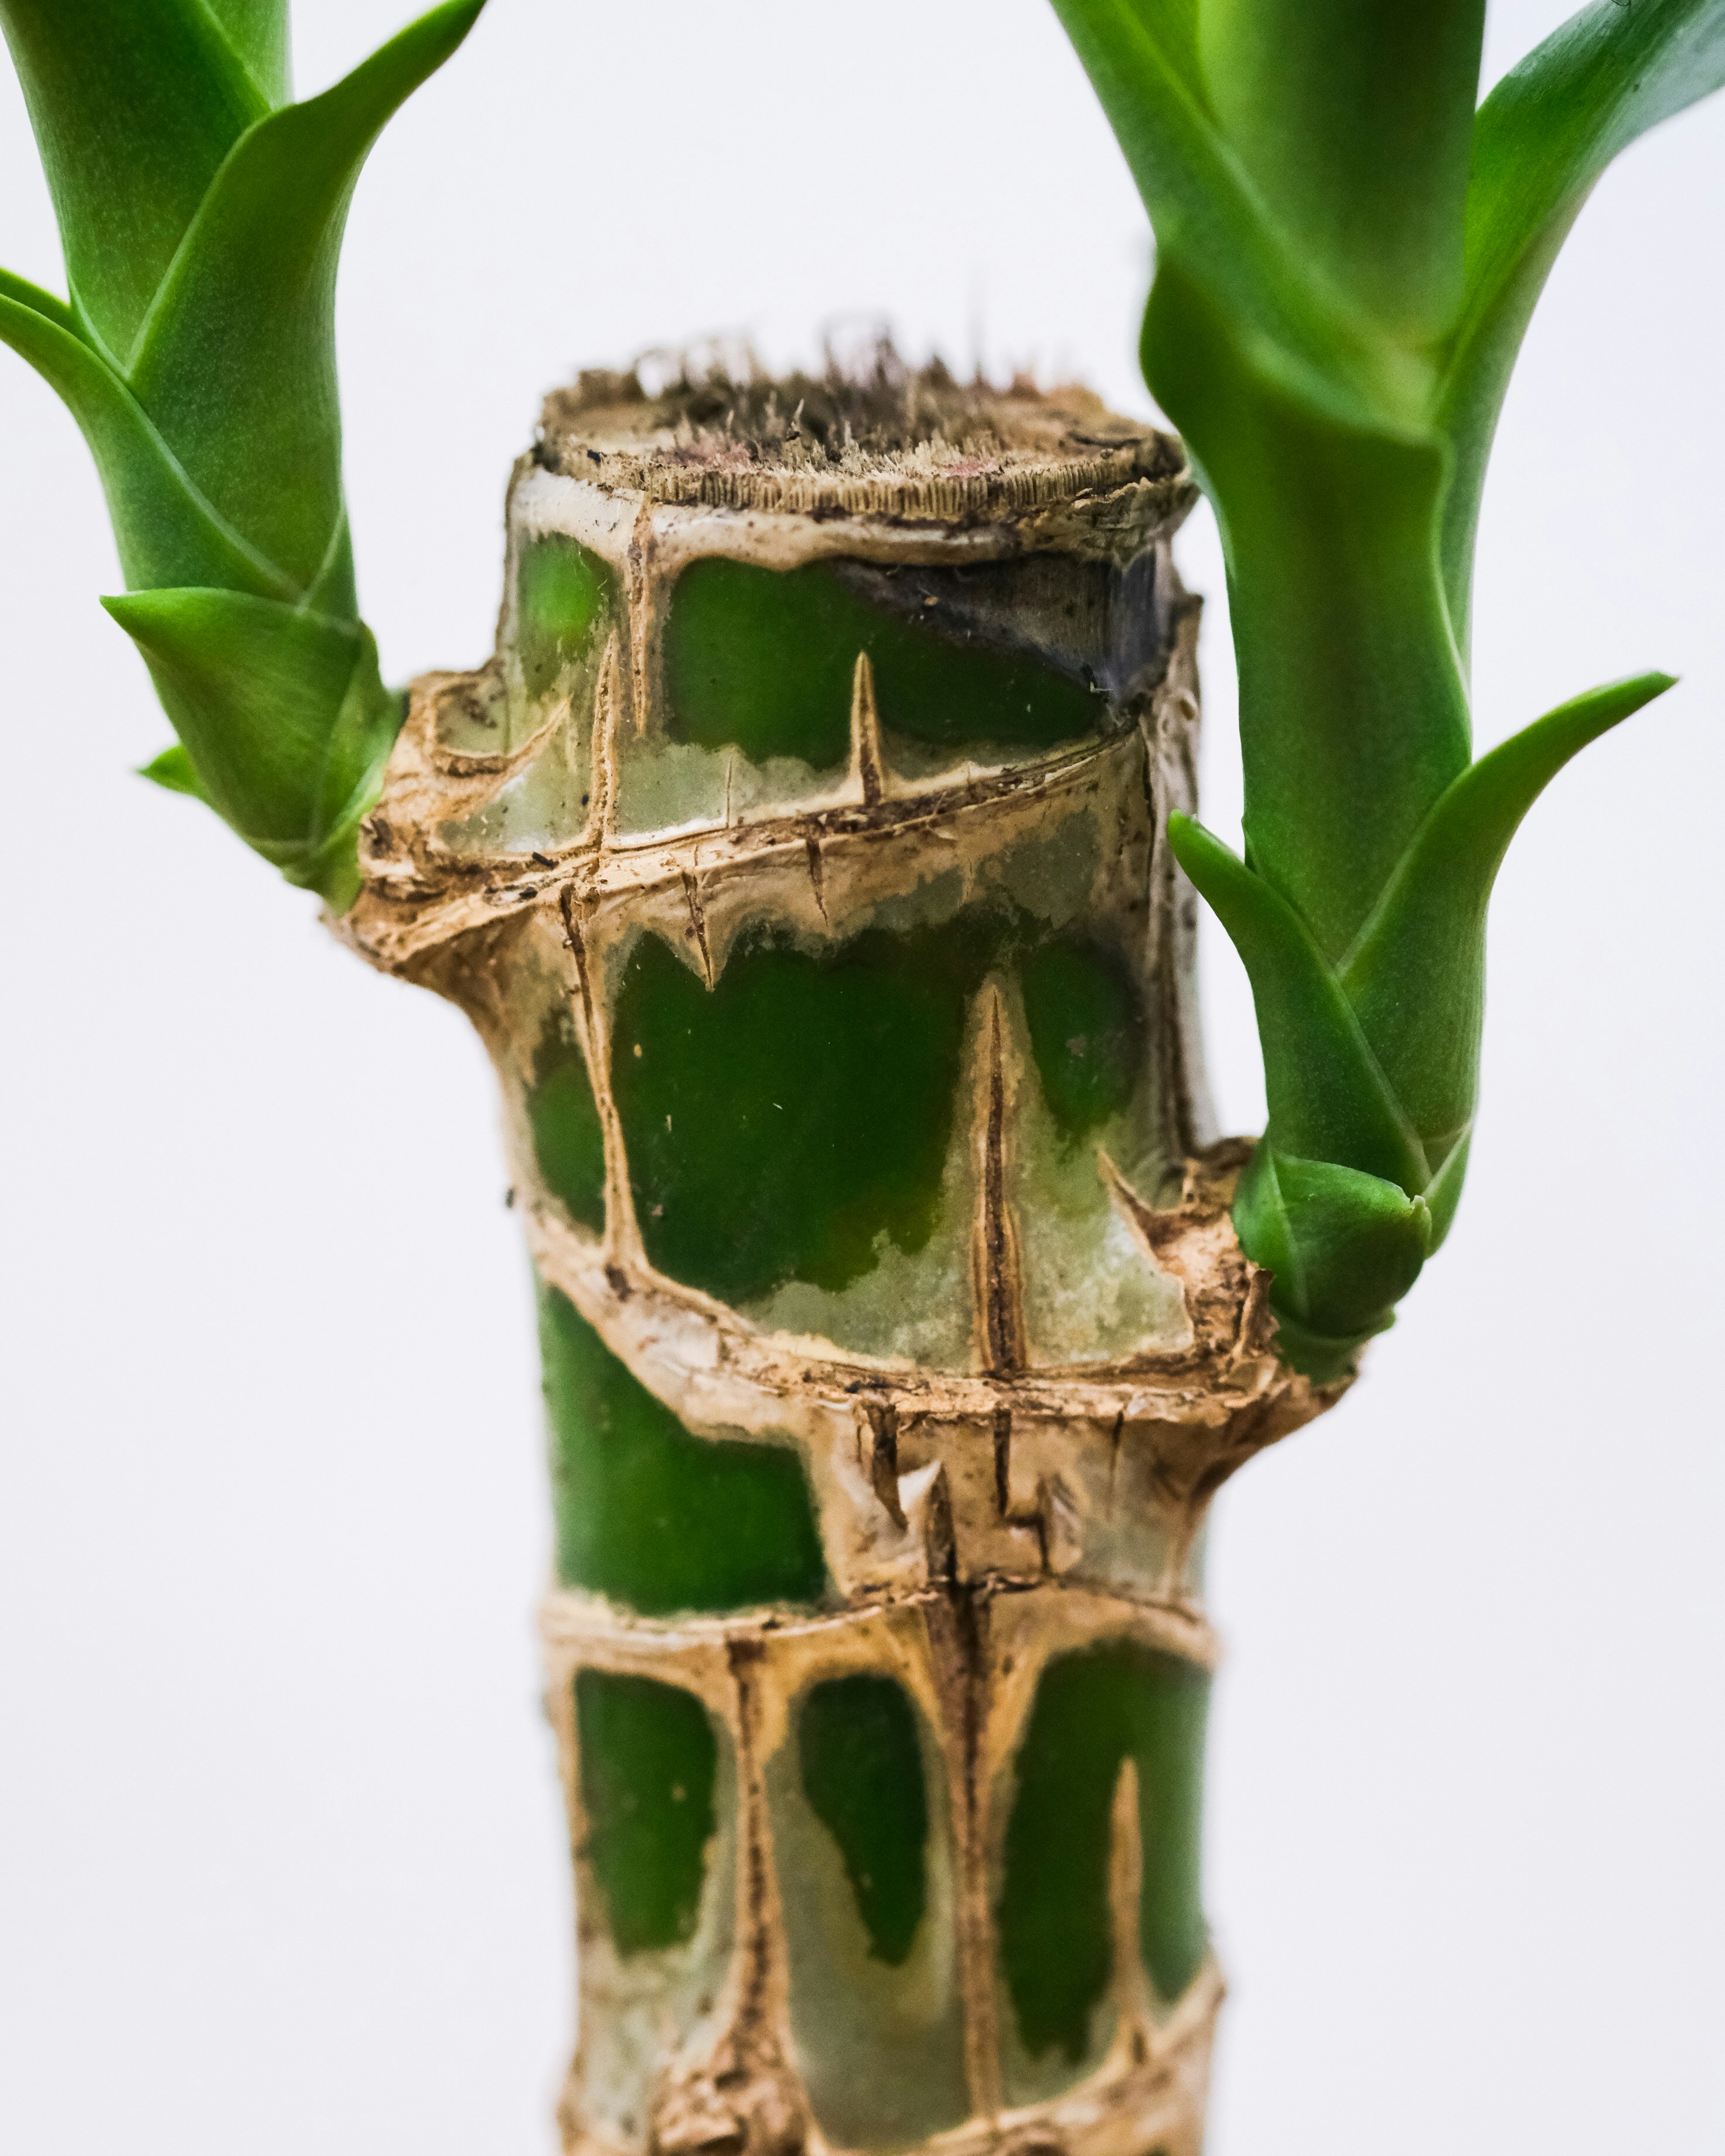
{"x": 174, "y": 772}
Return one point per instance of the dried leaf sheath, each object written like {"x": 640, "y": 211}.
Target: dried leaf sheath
{"x": 801, "y": 859}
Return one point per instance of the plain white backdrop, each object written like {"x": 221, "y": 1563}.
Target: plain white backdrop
{"x": 280, "y": 1856}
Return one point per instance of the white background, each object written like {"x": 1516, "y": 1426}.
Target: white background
{"x": 280, "y": 1846}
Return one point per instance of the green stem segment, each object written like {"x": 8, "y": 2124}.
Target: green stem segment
{"x": 801, "y": 857}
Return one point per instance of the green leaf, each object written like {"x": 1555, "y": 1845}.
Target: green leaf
{"x": 23, "y": 294}
{"x": 1344, "y": 1247}
{"x": 1327, "y": 1099}
{"x": 1143, "y": 58}
{"x": 1347, "y": 254}
{"x": 1381, "y": 1055}
{"x": 168, "y": 532}
{"x": 174, "y": 772}
{"x": 1352, "y": 711}
{"x": 202, "y": 220}
{"x": 1443, "y": 1193}
{"x": 1417, "y": 978}
{"x": 283, "y": 715}
{"x": 1354, "y": 118}
{"x": 257, "y": 31}
{"x": 237, "y": 362}
{"x": 1543, "y": 139}
{"x": 135, "y": 104}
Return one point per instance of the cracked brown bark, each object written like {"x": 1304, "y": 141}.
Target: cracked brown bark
{"x": 1028, "y": 1494}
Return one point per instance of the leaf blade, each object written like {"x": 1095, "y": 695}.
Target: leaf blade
{"x": 1542, "y": 138}
{"x": 1327, "y": 1099}
{"x": 237, "y": 364}
{"x": 23, "y": 294}
{"x": 135, "y": 104}
{"x": 1417, "y": 978}
{"x": 174, "y": 772}
{"x": 168, "y": 533}
{"x": 283, "y": 716}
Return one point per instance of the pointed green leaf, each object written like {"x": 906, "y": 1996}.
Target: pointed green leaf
{"x": 1542, "y": 138}
{"x": 1352, "y": 711}
{"x": 168, "y": 532}
{"x": 1417, "y": 978}
{"x": 1355, "y": 121}
{"x": 1344, "y": 1247}
{"x": 237, "y": 362}
{"x": 174, "y": 772}
{"x": 283, "y": 715}
{"x": 1327, "y": 1098}
{"x": 135, "y": 104}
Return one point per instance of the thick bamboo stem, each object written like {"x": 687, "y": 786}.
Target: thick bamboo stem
{"x": 801, "y": 857}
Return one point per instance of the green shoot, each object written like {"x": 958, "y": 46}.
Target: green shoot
{"x": 1349, "y": 251}
{"x": 201, "y": 214}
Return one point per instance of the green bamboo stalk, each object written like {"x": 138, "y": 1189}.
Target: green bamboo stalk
{"x": 801, "y": 857}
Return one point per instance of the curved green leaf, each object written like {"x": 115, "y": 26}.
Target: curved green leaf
{"x": 23, "y": 294}
{"x": 237, "y": 365}
{"x": 135, "y": 104}
{"x": 1416, "y": 979}
{"x": 283, "y": 715}
{"x": 1347, "y": 256}
{"x": 1541, "y": 140}
{"x": 1327, "y": 1098}
{"x": 168, "y": 532}
{"x": 202, "y": 226}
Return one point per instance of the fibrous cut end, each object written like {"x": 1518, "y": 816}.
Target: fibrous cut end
{"x": 873, "y": 436}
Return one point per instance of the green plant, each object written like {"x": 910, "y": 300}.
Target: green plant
{"x": 804, "y": 857}
{"x": 1347, "y": 254}
{"x": 201, "y": 212}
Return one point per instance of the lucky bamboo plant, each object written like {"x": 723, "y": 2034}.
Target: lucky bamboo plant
{"x": 810, "y": 857}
